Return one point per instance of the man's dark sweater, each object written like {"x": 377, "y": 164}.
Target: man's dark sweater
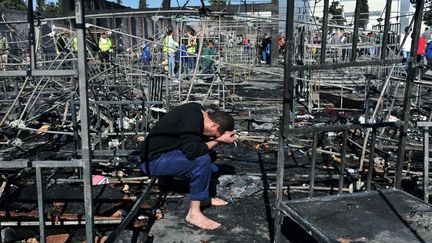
{"x": 181, "y": 128}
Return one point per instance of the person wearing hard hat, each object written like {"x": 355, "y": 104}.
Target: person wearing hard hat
{"x": 105, "y": 47}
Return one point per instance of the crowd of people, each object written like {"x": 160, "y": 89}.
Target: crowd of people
{"x": 424, "y": 48}
{"x": 181, "y": 56}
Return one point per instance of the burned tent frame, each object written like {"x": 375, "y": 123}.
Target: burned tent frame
{"x": 288, "y": 94}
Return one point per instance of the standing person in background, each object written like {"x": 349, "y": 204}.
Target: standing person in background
{"x": 169, "y": 48}
{"x": 146, "y": 56}
{"x": 208, "y": 62}
{"x": 105, "y": 47}
{"x": 421, "y": 50}
{"x": 427, "y": 34}
{"x": 406, "y": 47}
{"x": 428, "y": 55}
{"x": 183, "y": 57}
{"x": 263, "y": 46}
{"x": 191, "y": 48}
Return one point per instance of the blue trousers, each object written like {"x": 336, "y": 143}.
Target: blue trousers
{"x": 175, "y": 163}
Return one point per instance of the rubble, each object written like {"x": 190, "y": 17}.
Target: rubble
{"x": 238, "y": 186}
{"x": 328, "y": 124}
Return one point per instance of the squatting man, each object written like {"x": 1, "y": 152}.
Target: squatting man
{"x": 179, "y": 145}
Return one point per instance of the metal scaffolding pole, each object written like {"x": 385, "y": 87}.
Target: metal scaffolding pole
{"x": 84, "y": 115}
{"x": 386, "y": 30}
{"x": 355, "y": 31}
{"x": 324, "y": 32}
{"x": 288, "y": 106}
{"x": 412, "y": 70}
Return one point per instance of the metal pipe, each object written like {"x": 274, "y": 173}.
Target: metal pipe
{"x": 313, "y": 164}
{"x": 31, "y": 37}
{"x": 324, "y": 31}
{"x": 288, "y": 84}
{"x": 41, "y": 205}
{"x": 386, "y": 30}
{"x": 371, "y": 160}
{"x": 407, "y": 95}
{"x": 426, "y": 164}
{"x": 343, "y": 160}
{"x": 355, "y": 31}
{"x": 85, "y": 125}
{"x": 112, "y": 237}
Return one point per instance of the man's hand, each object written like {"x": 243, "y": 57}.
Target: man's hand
{"x": 228, "y": 137}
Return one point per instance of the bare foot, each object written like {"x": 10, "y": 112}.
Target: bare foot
{"x": 201, "y": 221}
{"x": 218, "y": 202}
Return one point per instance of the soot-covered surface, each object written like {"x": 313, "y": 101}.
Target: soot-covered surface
{"x": 379, "y": 216}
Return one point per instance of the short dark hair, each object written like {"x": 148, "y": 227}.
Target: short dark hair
{"x": 223, "y": 119}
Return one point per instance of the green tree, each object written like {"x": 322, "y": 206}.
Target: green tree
{"x": 49, "y": 10}
{"x": 13, "y": 4}
{"x": 364, "y": 13}
{"x": 337, "y": 11}
{"x": 142, "y": 4}
{"x": 217, "y": 2}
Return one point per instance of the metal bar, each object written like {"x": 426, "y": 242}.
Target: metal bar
{"x": 324, "y": 32}
{"x": 122, "y": 135}
{"x": 426, "y": 164}
{"x": 407, "y": 95}
{"x": 60, "y": 223}
{"x": 123, "y": 102}
{"x": 347, "y": 64}
{"x": 279, "y": 186}
{"x": 31, "y": 36}
{"x": 25, "y": 163}
{"x": 23, "y": 73}
{"x": 386, "y": 30}
{"x": 288, "y": 85}
{"x": 343, "y": 160}
{"x": 288, "y": 88}
{"x": 112, "y": 237}
{"x": 313, "y": 164}
{"x": 355, "y": 31}
{"x": 342, "y": 127}
{"x": 85, "y": 126}
{"x": 98, "y": 126}
{"x": 41, "y": 205}
{"x": 371, "y": 160}
{"x": 424, "y": 124}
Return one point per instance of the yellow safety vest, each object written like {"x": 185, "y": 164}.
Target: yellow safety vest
{"x": 105, "y": 44}
{"x": 75, "y": 40}
{"x": 165, "y": 44}
{"x": 192, "y": 47}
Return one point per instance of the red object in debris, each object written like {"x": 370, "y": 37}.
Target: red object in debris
{"x": 57, "y": 238}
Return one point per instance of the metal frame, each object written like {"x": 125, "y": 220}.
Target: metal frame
{"x": 288, "y": 96}
{"x": 315, "y": 232}
{"x": 426, "y": 159}
{"x": 85, "y": 162}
